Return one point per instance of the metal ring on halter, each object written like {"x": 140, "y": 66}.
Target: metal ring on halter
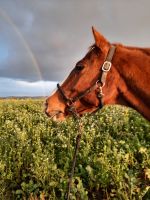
{"x": 106, "y": 66}
{"x": 100, "y": 84}
{"x": 69, "y": 102}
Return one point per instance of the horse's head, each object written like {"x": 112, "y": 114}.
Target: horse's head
{"x": 79, "y": 93}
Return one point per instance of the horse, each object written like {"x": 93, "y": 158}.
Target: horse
{"x": 110, "y": 73}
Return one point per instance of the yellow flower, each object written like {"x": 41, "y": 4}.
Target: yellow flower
{"x": 142, "y": 150}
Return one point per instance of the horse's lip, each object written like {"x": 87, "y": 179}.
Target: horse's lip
{"x": 55, "y": 115}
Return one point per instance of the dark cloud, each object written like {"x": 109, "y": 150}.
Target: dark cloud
{"x": 53, "y": 35}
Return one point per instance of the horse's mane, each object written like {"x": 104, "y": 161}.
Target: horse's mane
{"x": 142, "y": 49}
{"x": 93, "y": 46}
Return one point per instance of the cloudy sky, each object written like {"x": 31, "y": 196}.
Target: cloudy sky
{"x": 41, "y": 40}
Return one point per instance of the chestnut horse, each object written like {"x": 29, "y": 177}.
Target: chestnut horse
{"x": 108, "y": 74}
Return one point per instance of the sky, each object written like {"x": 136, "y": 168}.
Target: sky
{"x": 41, "y": 40}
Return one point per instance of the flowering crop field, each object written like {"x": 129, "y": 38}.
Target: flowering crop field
{"x": 36, "y": 153}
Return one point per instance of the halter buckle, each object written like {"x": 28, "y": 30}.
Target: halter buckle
{"x": 106, "y": 66}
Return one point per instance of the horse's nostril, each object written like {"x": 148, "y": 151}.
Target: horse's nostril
{"x": 46, "y": 103}
{"x": 46, "y": 112}
{"x": 46, "y": 107}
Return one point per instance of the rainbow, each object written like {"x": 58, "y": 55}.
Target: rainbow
{"x": 26, "y": 45}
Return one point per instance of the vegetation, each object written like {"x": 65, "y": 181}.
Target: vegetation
{"x": 36, "y": 154}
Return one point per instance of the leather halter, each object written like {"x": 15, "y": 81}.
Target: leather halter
{"x": 98, "y": 85}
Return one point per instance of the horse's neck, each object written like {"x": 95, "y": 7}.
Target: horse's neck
{"x": 133, "y": 66}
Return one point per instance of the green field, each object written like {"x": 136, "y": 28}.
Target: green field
{"x": 36, "y": 154}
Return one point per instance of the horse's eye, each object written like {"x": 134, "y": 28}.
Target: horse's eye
{"x": 79, "y": 67}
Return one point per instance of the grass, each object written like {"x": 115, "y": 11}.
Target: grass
{"x": 36, "y": 154}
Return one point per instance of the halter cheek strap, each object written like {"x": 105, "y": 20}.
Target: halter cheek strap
{"x": 105, "y": 69}
{"x": 107, "y": 64}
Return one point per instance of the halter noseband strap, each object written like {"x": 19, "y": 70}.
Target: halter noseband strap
{"x": 99, "y": 84}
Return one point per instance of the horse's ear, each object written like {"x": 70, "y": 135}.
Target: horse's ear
{"x": 100, "y": 40}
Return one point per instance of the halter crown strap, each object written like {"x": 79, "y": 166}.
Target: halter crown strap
{"x": 111, "y": 53}
{"x": 107, "y": 64}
